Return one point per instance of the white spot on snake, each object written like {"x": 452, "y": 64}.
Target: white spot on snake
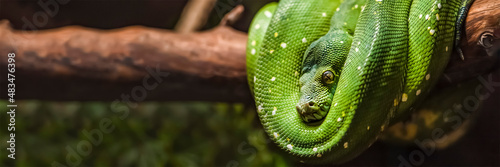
{"x": 359, "y": 43}
{"x": 447, "y": 48}
{"x": 363, "y": 8}
{"x": 304, "y": 40}
{"x": 427, "y": 17}
{"x": 323, "y": 14}
{"x": 283, "y": 45}
{"x": 439, "y": 5}
{"x": 319, "y": 155}
{"x": 289, "y": 146}
{"x": 420, "y": 16}
{"x": 428, "y": 28}
{"x": 339, "y": 119}
{"x": 405, "y": 97}
{"x": 357, "y": 50}
{"x": 268, "y": 14}
{"x": 359, "y": 67}
{"x": 335, "y": 104}
{"x": 254, "y": 79}
{"x": 273, "y": 78}
{"x": 346, "y": 144}
{"x": 428, "y": 76}
{"x": 257, "y": 26}
{"x": 260, "y": 108}
{"x": 356, "y": 6}
{"x": 276, "y": 135}
{"x": 271, "y": 51}
{"x": 276, "y": 34}
{"x": 252, "y": 51}
{"x": 437, "y": 16}
{"x": 418, "y": 92}
{"x": 378, "y": 0}
{"x": 432, "y": 32}
{"x": 315, "y": 149}
{"x": 337, "y": 9}
{"x": 253, "y": 43}
{"x": 296, "y": 73}
{"x": 341, "y": 41}
{"x": 274, "y": 110}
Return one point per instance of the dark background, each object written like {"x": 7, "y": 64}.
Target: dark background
{"x": 186, "y": 133}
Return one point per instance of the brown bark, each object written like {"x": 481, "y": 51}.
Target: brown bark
{"x": 482, "y": 17}
{"x": 75, "y": 63}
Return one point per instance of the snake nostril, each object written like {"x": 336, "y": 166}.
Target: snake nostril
{"x": 311, "y": 103}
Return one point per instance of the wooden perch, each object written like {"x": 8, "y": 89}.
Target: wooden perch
{"x": 76, "y": 63}
{"x": 483, "y": 16}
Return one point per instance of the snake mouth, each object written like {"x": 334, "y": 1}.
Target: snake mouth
{"x": 311, "y": 111}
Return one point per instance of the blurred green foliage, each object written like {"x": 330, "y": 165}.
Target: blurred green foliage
{"x": 153, "y": 134}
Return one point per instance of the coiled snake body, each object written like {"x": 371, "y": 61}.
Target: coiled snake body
{"x": 329, "y": 76}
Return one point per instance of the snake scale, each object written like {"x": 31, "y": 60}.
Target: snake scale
{"x": 329, "y": 75}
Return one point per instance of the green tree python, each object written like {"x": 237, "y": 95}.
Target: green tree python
{"x": 328, "y": 76}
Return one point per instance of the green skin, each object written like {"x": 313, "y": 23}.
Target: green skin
{"x": 324, "y": 92}
{"x": 326, "y": 55}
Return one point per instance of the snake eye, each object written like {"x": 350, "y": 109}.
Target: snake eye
{"x": 486, "y": 40}
{"x": 327, "y": 77}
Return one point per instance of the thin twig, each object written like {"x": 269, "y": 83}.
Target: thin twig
{"x": 194, "y": 15}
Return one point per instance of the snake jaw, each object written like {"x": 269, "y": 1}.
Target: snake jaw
{"x": 310, "y": 111}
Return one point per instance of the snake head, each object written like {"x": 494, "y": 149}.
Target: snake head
{"x": 322, "y": 64}
{"x": 316, "y": 93}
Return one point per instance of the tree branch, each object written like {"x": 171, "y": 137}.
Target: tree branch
{"x": 482, "y": 17}
{"x": 75, "y": 63}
